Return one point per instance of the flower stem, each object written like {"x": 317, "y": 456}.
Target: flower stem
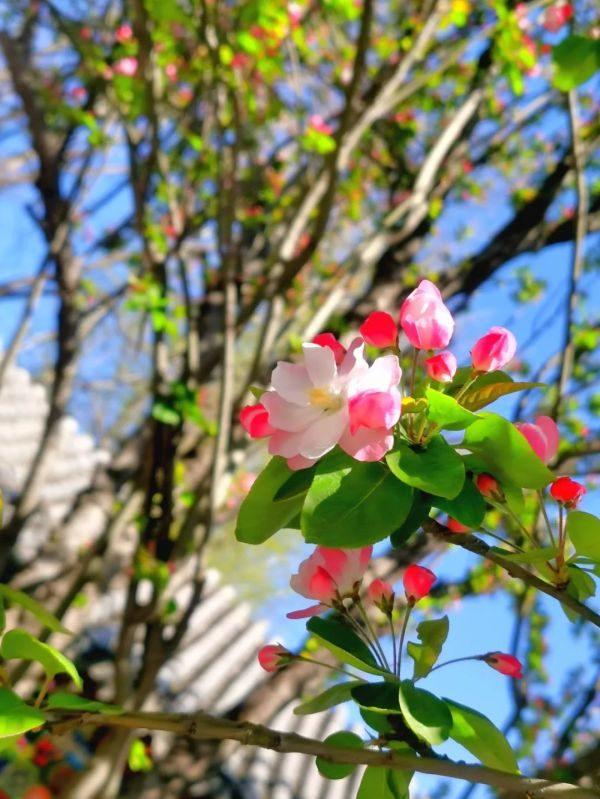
{"x": 329, "y": 666}
{"x": 394, "y": 655}
{"x": 545, "y": 515}
{"x": 43, "y": 691}
{"x": 376, "y": 640}
{"x": 455, "y": 660}
{"x": 409, "y": 608}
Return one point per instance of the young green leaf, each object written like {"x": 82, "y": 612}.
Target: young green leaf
{"x": 432, "y": 634}
{"x": 343, "y": 643}
{"x": 468, "y": 507}
{"x": 337, "y": 771}
{"x": 498, "y": 443}
{"x": 384, "y": 783}
{"x": 16, "y": 717}
{"x": 377, "y": 703}
{"x": 576, "y": 59}
{"x": 479, "y": 736}
{"x": 534, "y": 556}
{"x": 261, "y": 515}
{"x": 353, "y": 504}
{"x": 419, "y": 511}
{"x": 426, "y": 715}
{"x": 138, "y": 759}
{"x": 35, "y": 608}
{"x": 61, "y": 700}
{"x": 22, "y": 645}
{"x": 583, "y": 529}
{"x": 336, "y": 695}
{"x": 296, "y": 485}
{"x": 438, "y": 469}
{"x": 446, "y": 412}
{"x": 478, "y": 397}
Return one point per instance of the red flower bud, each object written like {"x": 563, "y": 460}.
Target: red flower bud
{"x": 379, "y": 330}
{"x": 417, "y": 582}
{"x": 505, "y": 664}
{"x": 255, "y": 421}
{"x": 567, "y": 491}
{"x": 329, "y": 340}
{"x": 273, "y": 657}
{"x": 456, "y": 527}
{"x": 381, "y": 594}
{"x": 488, "y": 486}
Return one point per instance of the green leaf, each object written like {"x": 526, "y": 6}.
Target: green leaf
{"x": 377, "y": 702}
{"x": 337, "y": 771}
{"x": 478, "y": 397}
{"x": 419, "y": 511}
{"x": 426, "y": 715}
{"x": 353, "y": 504}
{"x": 138, "y": 759}
{"x": 260, "y": 516}
{"x": 16, "y": 717}
{"x": 32, "y": 606}
{"x": 575, "y": 60}
{"x": 331, "y": 697}
{"x": 498, "y": 443}
{"x": 343, "y": 643}
{"x": 432, "y": 634}
{"x": 61, "y": 700}
{"x": 468, "y": 507}
{"x": 581, "y": 584}
{"x": 438, "y": 469}
{"x": 583, "y": 530}
{"x": 479, "y": 736}
{"x": 384, "y": 783}
{"x": 22, "y": 645}
{"x": 446, "y": 412}
{"x": 296, "y": 485}
{"x": 534, "y": 556}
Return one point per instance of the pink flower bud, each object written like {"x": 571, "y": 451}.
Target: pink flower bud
{"x": 255, "y": 421}
{"x": 379, "y": 330}
{"x": 318, "y": 124}
{"x": 273, "y": 657}
{"x": 543, "y": 437}
{"x": 488, "y": 486}
{"x": 568, "y": 492}
{"x": 427, "y": 322}
{"x": 124, "y": 33}
{"x": 329, "y": 340}
{"x": 126, "y": 66}
{"x": 494, "y": 350}
{"x": 505, "y": 664}
{"x": 456, "y": 527}
{"x": 381, "y": 594}
{"x": 417, "y": 582}
{"x": 441, "y": 367}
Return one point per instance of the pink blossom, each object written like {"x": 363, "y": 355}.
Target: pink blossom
{"x": 318, "y": 124}
{"x": 427, "y": 322}
{"x": 255, "y": 421}
{"x": 379, "y": 330}
{"x": 329, "y": 340}
{"x": 126, "y": 66}
{"x": 315, "y": 404}
{"x": 441, "y": 367}
{"x": 567, "y": 491}
{"x": 171, "y": 71}
{"x": 328, "y": 575}
{"x": 557, "y": 15}
{"x": 124, "y": 33}
{"x": 543, "y": 437}
{"x": 494, "y": 350}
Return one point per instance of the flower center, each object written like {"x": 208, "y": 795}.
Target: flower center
{"x": 324, "y": 399}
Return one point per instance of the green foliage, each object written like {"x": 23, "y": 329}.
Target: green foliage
{"x": 32, "y": 606}
{"x": 17, "y": 717}
{"x": 22, "y": 645}
{"x": 419, "y": 511}
{"x": 446, "y": 412}
{"x": 384, "y": 783}
{"x": 343, "y": 643}
{"x": 337, "y": 771}
{"x": 353, "y": 504}
{"x": 437, "y": 469}
{"x": 261, "y": 515}
{"x": 479, "y": 736}
{"x": 61, "y": 700}
{"x": 468, "y": 507}
{"x": 583, "y": 530}
{"x": 506, "y": 452}
{"x": 432, "y": 634}
{"x": 335, "y": 695}
{"x": 575, "y": 60}
{"x": 139, "y": 759}
{"x": 426, "y": 715}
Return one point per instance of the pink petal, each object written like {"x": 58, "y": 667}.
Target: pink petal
{"x": 288, "y": 416}
{"x": 367, "y": 445}
{"x": 322, "y": 435}
{"x": 374, "y": 409}
{"x": 320, "y": 364}
{"x": 291, "y": 381}
{"x": 298, "y": 462}
{"x": 552, "y": 433}
{"x": 313, "y": 610}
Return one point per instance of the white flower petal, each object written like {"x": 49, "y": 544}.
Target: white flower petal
{"x": 323, "y": 435}
{"x": 320, "y": 364}
{"x": 288, "y": 416}
{"x": 291, "y": 380}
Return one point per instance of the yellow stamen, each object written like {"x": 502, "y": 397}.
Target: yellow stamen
{"x": 322, "y": 398}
